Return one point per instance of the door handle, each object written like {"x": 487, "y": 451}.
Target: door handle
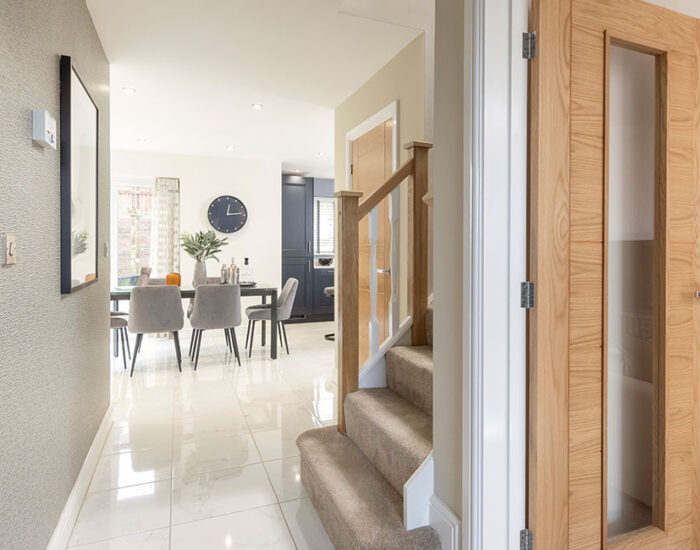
{"x": 309, "y": 266}
{"x": 308, "y": 247}
{"x": 386, "y": 271}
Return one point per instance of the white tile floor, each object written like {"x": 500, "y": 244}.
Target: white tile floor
{"x": 208, "y": 459}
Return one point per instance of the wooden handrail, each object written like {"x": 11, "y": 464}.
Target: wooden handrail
{"x": 387, "y": 187}
{"x": 349, "y": 213}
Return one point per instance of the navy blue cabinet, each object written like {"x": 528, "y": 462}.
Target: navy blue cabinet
{"x": 298, "y": 249}
{"x": 297, "y": 239}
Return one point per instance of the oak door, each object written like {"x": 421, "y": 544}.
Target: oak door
{"x": 371, "y": 166}
{"x": 613, "y": 216}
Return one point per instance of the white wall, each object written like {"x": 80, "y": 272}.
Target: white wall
{"x": 256, "y": 182}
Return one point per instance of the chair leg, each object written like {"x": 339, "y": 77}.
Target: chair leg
{"x": 235, "y": 345}
{"x": 176, "y": 339}
{"x": 198, "y": 347}
{"x": 128, "y": 347}
{"x": 137, "y": 347}
{"x": 247, "y": 334}
{"x": 116, "y": 342}
{"x": 195, "y": 336}
{"x": 252, "y": 333}
{"x": 194, "y": 332}
{"x": 284, "y": 331}
{"x": 121, "y": 334}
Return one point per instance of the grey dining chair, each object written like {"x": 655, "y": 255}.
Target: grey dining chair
{"x": 155, "y": 309}
{"x": 263, "y": 312}
{"x": 216, "y": 306}
{"x": 118, "y": 324}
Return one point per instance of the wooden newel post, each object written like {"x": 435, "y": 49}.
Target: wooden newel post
{"x": 347, "y": 297}
{"x": 418, "y": 240}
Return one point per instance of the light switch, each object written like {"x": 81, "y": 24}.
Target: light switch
{"x": 9, "y": 246}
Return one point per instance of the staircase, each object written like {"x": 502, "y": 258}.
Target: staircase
{"x": 356, "y": 481}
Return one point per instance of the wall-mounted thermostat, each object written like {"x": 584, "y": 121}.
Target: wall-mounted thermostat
{"x": 43, "y": 128}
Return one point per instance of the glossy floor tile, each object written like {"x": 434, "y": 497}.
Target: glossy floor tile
{"x": 208, "y": 459}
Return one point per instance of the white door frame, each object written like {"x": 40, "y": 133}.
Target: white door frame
{"x": 494, "y": 411}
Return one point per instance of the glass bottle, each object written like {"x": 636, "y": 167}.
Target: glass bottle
{"x": 247, "y": 272}
{"x": 233, "y": 272}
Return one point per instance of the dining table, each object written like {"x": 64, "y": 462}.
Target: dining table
{"x": 122, "y": 294}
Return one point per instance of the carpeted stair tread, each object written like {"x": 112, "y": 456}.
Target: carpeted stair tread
{"x": 409, "y": 372}
{"x": 429, "y": 325}
{"x": 395, "y": 435}
{"x": 358, "y": 507}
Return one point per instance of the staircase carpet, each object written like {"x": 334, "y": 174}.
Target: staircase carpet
{"x": 395, "y": 435}
{"x": 409, "y": 373}
{"x": 358, "y": 507}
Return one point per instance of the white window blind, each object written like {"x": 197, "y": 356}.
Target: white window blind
{"x": 325, "y": 226}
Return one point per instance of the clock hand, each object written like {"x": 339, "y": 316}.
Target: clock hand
{"x": 229, "y": 213}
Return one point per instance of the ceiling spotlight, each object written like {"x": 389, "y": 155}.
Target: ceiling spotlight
{"x": 141, "y": 140}
{"x": 257, "y": 107}
{"x": 129, "y": 91}
{"x": 321, "y": 154}
{"x": 297, "y": 170}
{"x": 230, "y": 148}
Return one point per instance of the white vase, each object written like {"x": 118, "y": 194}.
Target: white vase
{"x": 200, "y": 273}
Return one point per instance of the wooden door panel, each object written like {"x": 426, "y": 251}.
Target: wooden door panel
{"x": 372, "y": 165}
{"x": 569, "y": 261}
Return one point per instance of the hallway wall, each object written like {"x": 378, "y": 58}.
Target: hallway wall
{"x": 54, "y": 357}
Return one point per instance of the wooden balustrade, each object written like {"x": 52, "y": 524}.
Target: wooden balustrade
{"x": 350, "y": 211}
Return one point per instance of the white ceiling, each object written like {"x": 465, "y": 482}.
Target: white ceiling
{"x": 198, "y": 66}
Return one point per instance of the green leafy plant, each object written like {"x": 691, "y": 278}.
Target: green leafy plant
{"x": 202, "y": 246}
{"x": 78, "y": 243}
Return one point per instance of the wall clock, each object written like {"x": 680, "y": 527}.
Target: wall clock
{"x": 227, "y": 214}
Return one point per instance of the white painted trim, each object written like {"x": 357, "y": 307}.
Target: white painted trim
{"x": 64, "y": 528}
{"x": 373, "y": 371}
{"x": 445, "y": 523}
{"x": 390, "y": 112}
{"x": 417, "y": 491}
{"x": 494, "y": 375}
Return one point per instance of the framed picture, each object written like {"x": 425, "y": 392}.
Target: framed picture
{"x": 79, "y": 131}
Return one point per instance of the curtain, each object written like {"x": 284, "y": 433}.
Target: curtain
{"x": 165, "y": 227}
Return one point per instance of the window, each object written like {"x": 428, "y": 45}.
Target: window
{"x": 134, "y": 218}
{"x": 324, "y": 233}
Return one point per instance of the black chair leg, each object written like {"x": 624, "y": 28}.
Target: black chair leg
{"x": 176, "y": 338}
{"x": 121, "y": 334}
{"x": 235, "y": 345}
{"x": 284, "y": 331}
{"x": 137, "y": 347}
{"x": 229, "y": 344}
{"x": 128, "y": 347}
{"x": 252, "y": 333}
{"x": 116, "y": 342}
{"x": 194, "y": 332}
{"x": 198, "y": 347}
{"x": 247, "y": 334}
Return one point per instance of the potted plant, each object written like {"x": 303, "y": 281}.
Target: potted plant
{"x": 202, "y": 246}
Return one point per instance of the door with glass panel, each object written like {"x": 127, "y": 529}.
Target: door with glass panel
{"x": 613, "y": 380}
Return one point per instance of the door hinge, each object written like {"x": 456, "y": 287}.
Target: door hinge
{"x": 527, "y": 295}
{"x": 351, "y": 169}
{"x": 526, "y": 540}
{"x": 529, "y": 45}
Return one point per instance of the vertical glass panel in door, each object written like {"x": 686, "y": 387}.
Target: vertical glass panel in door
{"x": 632, "y": 293}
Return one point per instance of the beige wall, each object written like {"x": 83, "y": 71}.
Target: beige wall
{"x": 54, "y": 357}
{"x": 449, "y": 215}
{"x": 402, "y": 79}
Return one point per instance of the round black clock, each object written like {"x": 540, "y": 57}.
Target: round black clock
{"x": 227, "y": 214}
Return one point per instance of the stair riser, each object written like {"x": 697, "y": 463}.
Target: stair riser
{"x": 413, "y": 383}
{"x": 395, "y": 461}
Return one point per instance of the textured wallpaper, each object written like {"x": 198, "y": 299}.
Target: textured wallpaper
{"x": 54, "y": 350}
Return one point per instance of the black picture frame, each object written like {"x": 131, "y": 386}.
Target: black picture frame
{"x": 72, "y": 90}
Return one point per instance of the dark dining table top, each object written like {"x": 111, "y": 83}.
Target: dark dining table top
{"x": 258, "y": 289}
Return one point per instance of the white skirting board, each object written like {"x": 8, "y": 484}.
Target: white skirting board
{"x": 373, "y": 372}
{"x": 417, "y": 492}
{"x": 64, "y": 528}
{"x": 447, "y": 525}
